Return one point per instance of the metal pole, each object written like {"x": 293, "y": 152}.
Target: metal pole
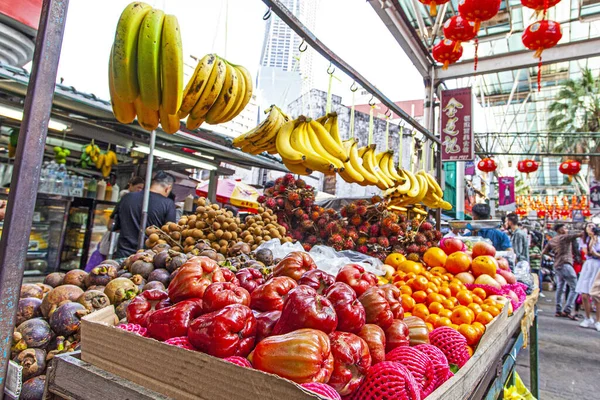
{"x": 213, "y": 182}
{"x": 149, "y": 165}
{"x": 533, "y": 354}
{"x": 26, "y": 172}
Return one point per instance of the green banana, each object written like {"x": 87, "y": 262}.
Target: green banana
{"x": 171, "y": 65}
{"x": 148, "y": 58}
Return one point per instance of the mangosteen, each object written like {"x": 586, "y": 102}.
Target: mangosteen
{"x": 160, "y": 275}
{"x": 202, "y": 246}
{"x": 140, "y": 255}
{"x": 265, "y": 256}
{"x": 101, "y": 275}
{"x": 210, "y": 253}
{"x": 220, "y": 258}
{"x": 33, "y": 388}
{"x": 276, "y": 261}
{"x": 66, "y": 319}
{"x": 54, "y": 279}
{"x": 239, "y": 248}
{"x": 57, "y": 295}
{"x": 33, "y": 362}
{"x": 139, "y": 281}
{"x": 161, "y": 259}
{"x": 123, "y": 273}
{"x": 31, "y": 290}
{"x": 173, "y": 274}
{"x": 176, "y": 262}
{"x": 141, "y": 267}
{"x": 28, "y": 308}
{"x": 93, "y": 300}
{"x": 75, "y": 277}
{"x": 153, "y": 285}
{"x": 161, "y": 247}
{"x": 99, "y": 288}
{"x": 114, "y": 263}
{"x": 119, "y": 290}
{"x": 45, "y": 288}
{"x": 121, "y": 309}
{"x": 35, "y": 332}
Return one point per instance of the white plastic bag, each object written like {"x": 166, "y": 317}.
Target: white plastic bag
{"x": 280, "y": 250}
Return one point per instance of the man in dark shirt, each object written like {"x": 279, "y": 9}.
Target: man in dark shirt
{"x": 128, "y": 213}
{"x": 561, "y": 245}
{"x": 500, "y": 240}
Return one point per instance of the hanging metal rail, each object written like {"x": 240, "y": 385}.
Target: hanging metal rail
{"x": 294, "y": 23}
{"x": 537, "y": 144}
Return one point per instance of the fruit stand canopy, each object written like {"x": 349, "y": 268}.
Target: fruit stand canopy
{"x": 70, "y": 105}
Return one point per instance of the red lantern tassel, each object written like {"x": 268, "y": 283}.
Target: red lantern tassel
{"x": 477, "y": 25}
{"x": 456, "y": 46}
{"x": 433, "y": 9}
{"x": 446, "y": 63}
{"x": 539, "y": 76}
{"x": 476, "y": 57}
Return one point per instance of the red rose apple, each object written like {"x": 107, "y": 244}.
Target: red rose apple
{"x": 305, "y": 308}
{"x": 350, "y": 312}
{"x": 355, "y": 276}
{"x": 351, "y": 361}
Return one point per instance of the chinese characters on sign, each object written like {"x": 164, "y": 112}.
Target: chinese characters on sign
{"x": 457, "y": 136}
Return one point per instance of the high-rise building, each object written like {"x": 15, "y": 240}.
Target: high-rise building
{"x": 285, "y": 73}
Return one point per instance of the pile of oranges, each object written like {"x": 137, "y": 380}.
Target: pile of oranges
{"x": 440, "y": 299}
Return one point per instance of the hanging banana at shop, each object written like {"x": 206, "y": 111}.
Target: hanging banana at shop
{"x": 92, "y": 156}
{"x": 146, "y": 76}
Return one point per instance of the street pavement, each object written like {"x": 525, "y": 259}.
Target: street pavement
{"x": 569, "y": 357}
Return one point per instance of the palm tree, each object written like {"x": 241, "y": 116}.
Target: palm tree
{"x": 577, "y": 109}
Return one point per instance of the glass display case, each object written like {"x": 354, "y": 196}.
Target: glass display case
{"x": 47, "y": 233}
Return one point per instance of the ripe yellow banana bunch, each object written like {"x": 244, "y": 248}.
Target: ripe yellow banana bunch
{"x": 145, "y": 71}
{"x": 417, "y": 188}
{"x": 216, "y": 93}
{"x": 105, "y": 162}
{"x": 263, "y": 137}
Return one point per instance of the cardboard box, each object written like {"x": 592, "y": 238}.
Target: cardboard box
{"x": 176, "y": 372}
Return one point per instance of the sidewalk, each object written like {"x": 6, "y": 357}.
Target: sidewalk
{"x": 569, "y": 357}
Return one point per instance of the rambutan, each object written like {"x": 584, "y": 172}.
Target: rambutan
{"x": 413, "y": 257}
{"x": 420, "y": 238}
{"x": 281, "y": 188}
{"x": 356, "y": 220}
{"x": 280, "y": 202}
{"x": 374, "y": 230}
{"x": 344, "y": 232}
{"x": 307, "y": 202}
{"x": 393, "y": 240}
{"x": 430, "y": 235}
{"x": 383, "y": 241}
{"x": 372, "y": 240}
{"x": 343, "y": 212}
{"x": 403, "y": 226}
{"x": 331, "y": 211}
{"x": 289, "y": 179}
{"x": 395, "y": 228}
{"x": 362, "y": 240}
{"x": 352, "y": 234}
{"x": 348, "y": 244}
{"x": 261, "y": 199}
{"x": 385, "y": 231}
{"x": 269, "y": 191}
{"x": 426, "y": 226}
{"x": 413, "y": 248}
{"x": 285, "y": 225}
{"x": 297, "y": 234}
{"x": 314, "y": 216}
{"x": 298, "y": 212}
{"x": 306, "y": 224}
{"x": 312, "y": 240}
{"x": 429, "y": 244}
{"x": 297, "y": 203}
{"x": 323, "y": 234}
{"x": 336, "y": 239}
{"x": 361, "y": 210}
{"x": 300, "y": 183}
{"x": 437, "y": 235}
{"x": 362, "y": 249}
{"x": 351, "y": 208}
{"x": 305, "y": 217}
{"x": 423, "y": 248}
{"x": 386, "y": 222}
{"x": 415, "y": 223}
{"x": 279, "y": 181}
{"x": 364, "y": 228}
{"x": 322, "y": 222}
{"x": 270, "y": 203}
{"x": 292, "y": 196}
{"x": 332, "y": 227}
{"x": 337, "y": 247}
{"x": 307, "y": 246}
{"x": 376, "y": 199}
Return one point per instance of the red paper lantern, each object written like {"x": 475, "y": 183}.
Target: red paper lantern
{"x": 433, "y": 5}
{"x": 478, "y": 10}
{"x": 539, "y": 36}
{"x": 459, "y": 29}
{"x": 570, "y": 167}
{"x": 527, "y": 166}
{"x": 541, "y": 214}
{"x": 487, "y": 165}
{"x": 445, "y": 52}
{"x": 586, "y": 212}
{"x": 521, "y": 212}
{"x": 539, "y": 5}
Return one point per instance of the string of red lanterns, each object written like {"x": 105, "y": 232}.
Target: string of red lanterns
{"x": 553, "y": 210}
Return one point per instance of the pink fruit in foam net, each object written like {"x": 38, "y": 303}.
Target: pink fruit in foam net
{"x": 388, "y": 380}
{"x": 419, "y": 364}
{"x": 323, "y": 390}
{"x": 439, "y": 360}
{"x": 237, "y": 360}
{"x": 451, "y": 343}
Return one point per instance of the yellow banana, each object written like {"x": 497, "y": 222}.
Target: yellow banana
{"x": 299, "y": 169}
{"x": 114, "y": 159}
{"x": 334, "y": 148}
{"x": 226, "y": 98}
{"x": 123, "y": 112}
{"x": 192, "y": 123}
{"x": 356, "y": 162}
{"x": 334, "y": 128}
{"x": 248, "y": 89}
{"x": 125, "y": 51}
{"x": 147, "y": 118}
{"x": 106, "y": 170}
{"x": 269, "y": 133}
{"x": 382, "y": 161}
{"x": 284, "y": 148}
{"x": 370, "y": 165}
{"x": 414, "y": 184}
{"x": 88, "y": 149}
{"x": 320, "y": 150}
{"x": 171, "y": 57}
{"x": 423, "y": 187}
{"x": 300, "y": 142}
{"x": 393, "y": 170}
{"x": 404, "y": 185}
{"x": 211, "y": 90}
{"x": 100, "y": 161}
{"x": 197, "y": 83}
{"x": 148, "y": 58}
{"x": 239, "y": 97}
{"x": 262, "y": 131}
{"x": 349, "y": 173}
{"x": 432, "y": 183}
{"x": 169, "y": 122}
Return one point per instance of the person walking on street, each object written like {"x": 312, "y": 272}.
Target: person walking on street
{"x": 128, "y": 213}
{"x": 589, "y": 271}
{"x": 562, "y": 247}
{"x": 518, "y": 239}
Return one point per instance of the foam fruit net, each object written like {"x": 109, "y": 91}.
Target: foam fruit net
{"x": 419, "y": 364}
{"x": 387, "y": 380}
{"x": 237, "y": 360}
{"x": 451, "y": 343}
{"x": 439, "y": 360}
{"x": 323, "y": 390}
{"x": 134, "y": 328}
{"x": 181, "y": 341}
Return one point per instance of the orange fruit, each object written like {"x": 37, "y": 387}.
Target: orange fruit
{"x": 462, "y": 315}
{"x": 470, "y": 333}
{"x": 407, "y": 314}
{"x": 458, "y": 262}
{"x": 429, "y": 326}
{"x": 480, "y": 327}
{"x": 435, "y": 307}
{"x": 484, "y": 317}
{"x": 480, "y": 292}
{"x": 475, "y": 307}
{"x": 454, "y": 326}
{"x": 427, "y": 275}
{"x": 455, "y": 287}
{"x": 447, "y": 303}
{"x": 432, "y": 319}
{"x": 407, "y": 302}
{"x": 445, "y": 313}
{"x": 395, "y": 259}
{"x": 431, "y": 297}
{"x": 419, "y": 296}
{"x": 454, "y": 300}
{"x": 484, "y": 265}
{"x": 435, "y": 257}
{"x": 437, "y": 280}
{"x": 493, "y": 310}
{"x": 477, "y": 299}
{"x": 410, "y": 266}
{"x": 421, "y": 311}
{"x": 470, "y": 351}
{"x": 410, "y": 275}
{"x": 445, "y": 291}
{"x": 419, "y": 283}
{"x": 405, "y": 289}
{"x": 443, "y": 321}
{"x": 433, "y": 287}
{"x": 464, "y": 297}
{"x": 438, "y": 270}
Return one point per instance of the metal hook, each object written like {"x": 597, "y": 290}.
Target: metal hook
{"x": 372, "y": 101}
{"x": 388, "y": 113}
{"x": 267, "y": 15}
{"x": 353, "y": 87}
{"x": 302, "y": 49}
{"x": 330, "y": 69}
{"x": 432, "y": 145}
